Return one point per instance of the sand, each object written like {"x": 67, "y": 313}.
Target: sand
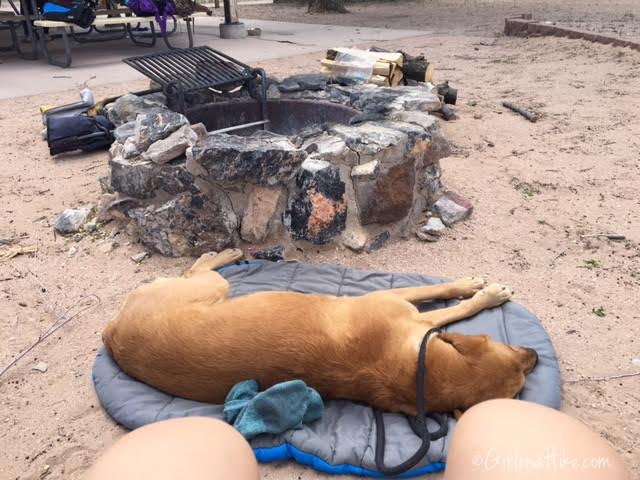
{"x": 470, "y": 17}
{"x": 537, "y": 188}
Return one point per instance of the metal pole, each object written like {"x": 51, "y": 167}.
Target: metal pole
{"x": 230, "y": 11}
{"x": 240, "y": 127}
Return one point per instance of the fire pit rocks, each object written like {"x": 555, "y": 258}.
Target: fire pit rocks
{"x": 355, "y": 164}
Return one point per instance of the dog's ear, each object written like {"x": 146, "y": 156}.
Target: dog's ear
{"x": 464, "y": 344}
{"x": 449, "y": 338}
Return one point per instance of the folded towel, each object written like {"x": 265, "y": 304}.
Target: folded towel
{"x": 282, "y": 407}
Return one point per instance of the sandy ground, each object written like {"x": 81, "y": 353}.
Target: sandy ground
{"x": 472, "y": 17}
{"x": 536, "y": 188}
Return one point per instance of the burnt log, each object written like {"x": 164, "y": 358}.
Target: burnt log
{"x": 417, "y": 68}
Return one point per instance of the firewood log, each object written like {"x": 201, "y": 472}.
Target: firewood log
{"x": 379, "y": 68}
{"x": 380, "y": 81}
{"x": 418, "y": 69}
{"x": 346, "y": 53}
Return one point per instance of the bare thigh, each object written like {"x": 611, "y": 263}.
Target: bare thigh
{"x": 186, "y": 448}
{"x": 512, "y": 439}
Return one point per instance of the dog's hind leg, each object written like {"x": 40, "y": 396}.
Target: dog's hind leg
{"x": 198, "y": 284}
{"x": 212, "y": 261}
{"x": 491, "y": 296}
{"x": 463, "y": 288}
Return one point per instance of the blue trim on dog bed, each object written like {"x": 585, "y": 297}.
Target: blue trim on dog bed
{"x": 287, "y": 451}
{"x": 237, "y": 265}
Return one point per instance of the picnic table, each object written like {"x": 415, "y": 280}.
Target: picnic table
{"x": 112, "y": 23}
{"x": 131, "y": 26}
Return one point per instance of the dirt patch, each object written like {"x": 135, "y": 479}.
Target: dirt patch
{"x": 576, "y": 172}
{"x": 477, "y": 17}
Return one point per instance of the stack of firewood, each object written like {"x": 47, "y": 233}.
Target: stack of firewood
{"x": 383, "y": 68}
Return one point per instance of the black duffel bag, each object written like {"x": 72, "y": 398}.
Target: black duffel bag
{"x": 66, "y": 133}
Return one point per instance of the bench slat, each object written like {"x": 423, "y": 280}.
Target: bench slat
{"x": 98, "y": 22}
{"x": 8, "y": 17}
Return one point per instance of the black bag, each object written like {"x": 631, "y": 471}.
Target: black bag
{"x": 66, "y": 133}
{"x": 79, "y": 12}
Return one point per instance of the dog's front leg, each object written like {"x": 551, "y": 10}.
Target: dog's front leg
{"x": 463, "y": 288}
{"x": 491, "y": 296}
{"x": 212, "y": 260}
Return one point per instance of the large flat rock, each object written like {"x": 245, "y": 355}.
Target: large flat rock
{"x": 261, "y": 159}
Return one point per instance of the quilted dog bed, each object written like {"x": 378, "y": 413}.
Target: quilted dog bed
{"x": 343, "y": 441}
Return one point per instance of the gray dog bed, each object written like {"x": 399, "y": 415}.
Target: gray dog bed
{"x": 343, "y": 441}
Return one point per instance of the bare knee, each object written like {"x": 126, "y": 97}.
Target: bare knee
{"x": 187, "y": 448}
{"x": 513, "y": 439}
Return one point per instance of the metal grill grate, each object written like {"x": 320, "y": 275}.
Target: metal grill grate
{"x": 193, "y": 68}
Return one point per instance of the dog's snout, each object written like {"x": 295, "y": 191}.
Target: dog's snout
{"x": 532, "y": 356}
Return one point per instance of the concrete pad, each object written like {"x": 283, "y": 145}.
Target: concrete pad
{"x": 102, "y": 62}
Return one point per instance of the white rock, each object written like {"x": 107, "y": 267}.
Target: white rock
{"x": 314, "y": 165}
{"x": 354, "y": 239}
{"x": 366, "y": 170}
{"x": 331, "y": 149}
{"x": 41, "y": 367}
{"x": 70, "y": 220}
{"x": 453, "y": 208}
{"x": 173, "y": 146}
{"x": 139, "y": 257}
{"x": 434, "y": 226}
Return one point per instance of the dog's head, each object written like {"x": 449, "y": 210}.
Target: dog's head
{"x": 463, "y": 370}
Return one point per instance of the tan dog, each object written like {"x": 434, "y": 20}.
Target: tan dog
{"x": 185, "y": 337}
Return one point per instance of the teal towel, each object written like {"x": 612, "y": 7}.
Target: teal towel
{"x": 282, "y": 407}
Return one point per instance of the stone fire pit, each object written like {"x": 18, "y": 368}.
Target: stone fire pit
{"x": 354, "y": 164}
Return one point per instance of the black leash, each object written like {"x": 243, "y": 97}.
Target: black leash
{"x": 418, "y": 423}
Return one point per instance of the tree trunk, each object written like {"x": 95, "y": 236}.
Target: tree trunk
{"x": 323, "y": 6}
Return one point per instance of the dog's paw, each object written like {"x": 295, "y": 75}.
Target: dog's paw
{"x": 494, "y": 295}
{"x": 204, "y": 263}
{"x": 466, "y": 287}
{"x": 212, "y": 261}
{"x": 229, "y": 256}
